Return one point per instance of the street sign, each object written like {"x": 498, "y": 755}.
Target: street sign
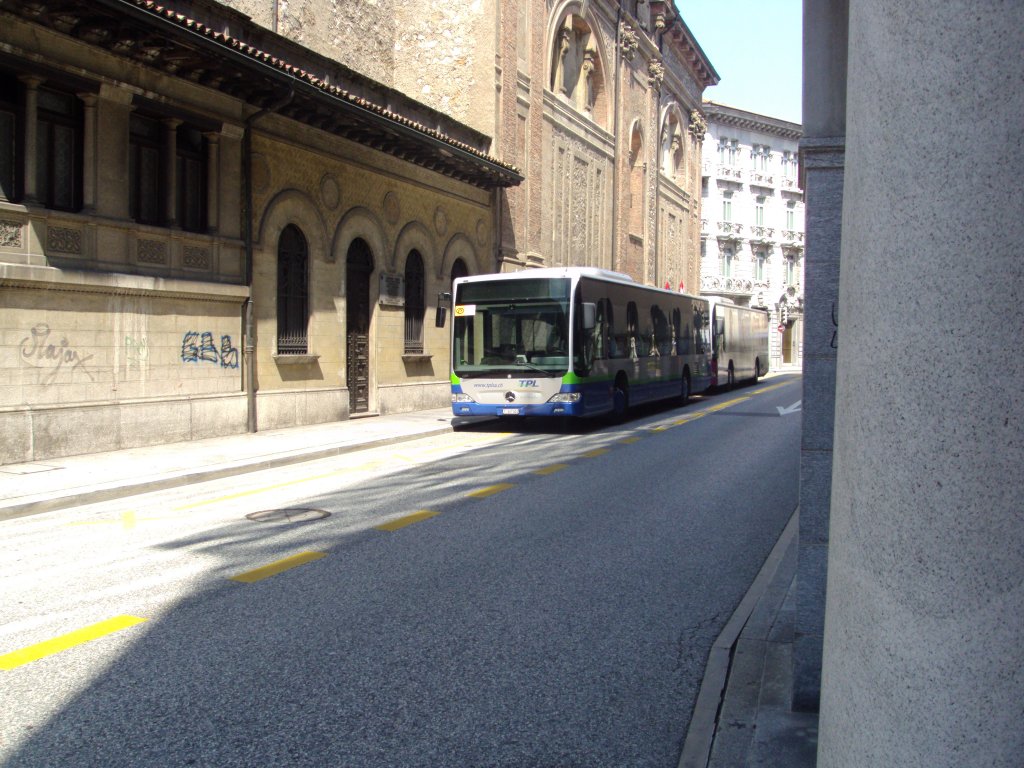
{"x": 782, "y": 328}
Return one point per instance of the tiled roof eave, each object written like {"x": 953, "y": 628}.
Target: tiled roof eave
{"x": 318, "y": 102}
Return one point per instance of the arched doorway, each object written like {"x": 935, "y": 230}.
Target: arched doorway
{"x": 359, "y": 267}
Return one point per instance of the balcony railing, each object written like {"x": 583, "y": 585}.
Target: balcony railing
{"x": 730, "y": 228}
{"x": 730, "y": 285}
{"x": 792, "y": 236}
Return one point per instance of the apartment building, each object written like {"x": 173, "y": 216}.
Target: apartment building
{"x": 752, "y": 221}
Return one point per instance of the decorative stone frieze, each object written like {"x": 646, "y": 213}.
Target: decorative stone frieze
{"x": 10, "y": 234}
{"x": 194, "y": 257}
{"x": 698, "y": 125}
{"x": 64, "y": 240}
{"x": 655, "y": 74}
{"x": 151, "y": 252}
{"x": 629, "y": 41}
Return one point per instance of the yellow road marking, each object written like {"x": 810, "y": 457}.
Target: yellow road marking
{"x": 550, "y": 470}
{"x": 629, "y": 440}
{"x": 401, "y": 522}
{"x": 483, "y": 493}
{"x": 70, "y": 640}
{"x": 726, "y": 404}
{"x": 252, "y": 492}
{"x": 770, "y": 387}
{"x": 595, "y": 453}
{"x": 129, "y": 520}
{"x": 687, "y": 419}
{"x": 278, "y": 566}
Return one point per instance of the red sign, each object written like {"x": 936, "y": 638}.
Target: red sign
{"x": 782, "y": 328}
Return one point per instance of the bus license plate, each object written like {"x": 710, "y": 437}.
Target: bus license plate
{"x": 509, "y": 411}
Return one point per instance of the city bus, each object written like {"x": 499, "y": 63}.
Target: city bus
{"x": 739, "y": 343}
{"x": 573, "y": 342}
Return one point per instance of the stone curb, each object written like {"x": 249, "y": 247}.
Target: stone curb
{"x": 704, "y": 723}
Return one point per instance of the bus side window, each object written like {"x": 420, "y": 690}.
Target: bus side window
{"x": 699, "y": 331}
{"x": 633, "y": 340}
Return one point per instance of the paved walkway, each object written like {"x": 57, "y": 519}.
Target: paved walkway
{"x": 742, "y": 715}
{"x": 42, "y": 486}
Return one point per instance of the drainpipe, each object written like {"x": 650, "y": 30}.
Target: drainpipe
{"x": 249, "y": 346}
{"x": 616, "y": 117}
{"x": 657, "y": 151}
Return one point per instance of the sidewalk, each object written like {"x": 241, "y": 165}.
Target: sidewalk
{"x": 43, "y": 486}
{"x": 741, "y": 718}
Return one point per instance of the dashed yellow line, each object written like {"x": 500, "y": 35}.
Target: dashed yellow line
{"x": 630, "y": 440}
{"x": 595, "y": 453}
{"x": 252, "y": 492}
{"x": 550, "y": 470}
{"x": 490, "y": 490}
{"x": 129, "y": 520}
{"x": 278, "y": 566}
{"x": 46, "y": 648}
{"x": 770, "y": 387}
{"x": 687, "y": 419}
{"x": 401, "y": 522}
{"x": 726, "y": 404}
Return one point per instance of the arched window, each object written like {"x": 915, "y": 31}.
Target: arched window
{"x": 414, "y": 303}
{"x": 459, "y": 269}
{"x": 292, "y": 292}
{"x": 671, "y": 146}
{"x": 576, "y": 72}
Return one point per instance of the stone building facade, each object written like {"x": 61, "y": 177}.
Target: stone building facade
{"x": 599, "y": 105}
{"x": 242, "y": 215}
{"x": 206, "y": 227}
{"x": 752, "y": 221}
{"x": 598, "y": 102}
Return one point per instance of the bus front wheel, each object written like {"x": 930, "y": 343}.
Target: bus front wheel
{"x": 620, "y": 399}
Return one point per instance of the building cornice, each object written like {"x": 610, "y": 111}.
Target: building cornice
{"x": 669, "y": 23}
{"x": 751, "y": 121}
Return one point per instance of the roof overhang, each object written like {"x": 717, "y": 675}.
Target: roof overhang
{"x": 159, "y": 37}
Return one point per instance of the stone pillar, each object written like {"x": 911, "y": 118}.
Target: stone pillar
{"x": 89, "y": 101}
{"x": 212, "y": 181}
{"x": 171, "y": 169}
{"x": 31, "y": 168}
{"x": 822, "y": 161}
{"x": 113, "y": 131}
{"x": 923, "y": 647}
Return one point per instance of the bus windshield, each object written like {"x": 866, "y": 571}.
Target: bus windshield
{"x": 509, "y": 327}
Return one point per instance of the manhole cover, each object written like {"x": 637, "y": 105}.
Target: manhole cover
{"x": 289, "y": 515}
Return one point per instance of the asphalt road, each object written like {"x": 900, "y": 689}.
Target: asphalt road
{"x": 497, "y": 597}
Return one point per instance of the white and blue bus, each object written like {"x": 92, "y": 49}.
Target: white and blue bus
{"x": 739, "y": 344}
{"x": 573, "y": 342}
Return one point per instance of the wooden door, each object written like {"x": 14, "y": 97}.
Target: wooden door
{"x": 357, "y": 318}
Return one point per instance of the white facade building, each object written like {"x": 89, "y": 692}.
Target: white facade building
{"x": 752, "y": 221}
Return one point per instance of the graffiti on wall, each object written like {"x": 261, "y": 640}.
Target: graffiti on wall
{"x": 46, "y": 350}
{"x": 136, "y": 352}
{"x": 198, "y": 347}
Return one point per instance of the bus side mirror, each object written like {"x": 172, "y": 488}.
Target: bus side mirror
{"x": 444, "y": 300}
{"x": 589, "y": 315}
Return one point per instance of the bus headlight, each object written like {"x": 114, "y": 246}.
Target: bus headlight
{"x": 462, "y": 397}
{"x": 566, "y": 397}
